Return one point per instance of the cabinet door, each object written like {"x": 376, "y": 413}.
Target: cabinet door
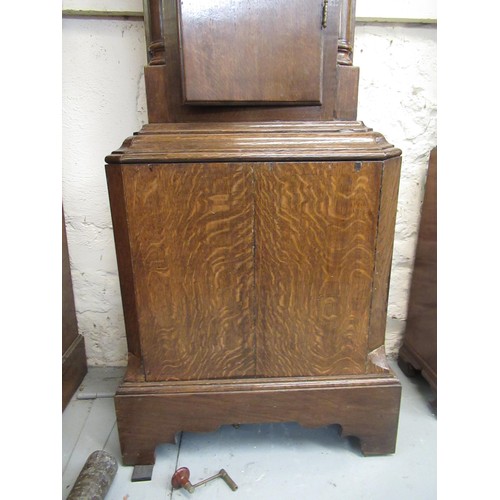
{"x": 191, "y": 245}
{"x": 315, "y": 233}
{"x": 252, "y": 51}
{"x": 245, "y": 269}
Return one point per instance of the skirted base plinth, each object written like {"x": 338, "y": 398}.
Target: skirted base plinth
{"x": 151, "y": 413}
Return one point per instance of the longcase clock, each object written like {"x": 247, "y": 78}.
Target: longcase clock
{"x": 254, "y": 221}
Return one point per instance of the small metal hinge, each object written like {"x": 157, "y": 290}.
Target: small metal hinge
{"x": 325, "y": 14}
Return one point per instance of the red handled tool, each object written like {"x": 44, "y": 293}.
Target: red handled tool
{"x": 180, "y": 479}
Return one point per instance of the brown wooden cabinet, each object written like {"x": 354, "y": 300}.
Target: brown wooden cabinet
{"x": 419, "y": 349}
{"x": 74, "y": 359}
{"x": 253, "y": 229}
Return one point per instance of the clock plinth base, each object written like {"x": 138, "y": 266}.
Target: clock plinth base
{"x": 152, "y": 413}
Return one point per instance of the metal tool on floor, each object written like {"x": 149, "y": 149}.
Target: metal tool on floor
{"x": 180, "y": 479}
{"x": 95, "y": 478}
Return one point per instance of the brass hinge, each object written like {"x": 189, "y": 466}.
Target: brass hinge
{"x": 325, "y": 14}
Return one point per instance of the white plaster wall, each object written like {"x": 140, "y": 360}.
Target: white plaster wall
{"x": 104, "y": 102}
{"x": 397, "y": 9}
{"x": 398, "y": 97}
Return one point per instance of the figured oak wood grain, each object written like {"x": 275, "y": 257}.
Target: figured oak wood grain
{"x": 260, "y": 269}
{"x": 191, "y": 237}
{"x": 171, "y": 276}
{"x": 315, "y": 242}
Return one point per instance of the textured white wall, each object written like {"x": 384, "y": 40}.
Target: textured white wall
{"x": 398, "y": 97}
{"x": 397, "y": 9}
{"x": 104, "y": 102}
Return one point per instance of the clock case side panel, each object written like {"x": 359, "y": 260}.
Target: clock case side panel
{"x": 135, "y": 369}
{"x": 376, "y": 360}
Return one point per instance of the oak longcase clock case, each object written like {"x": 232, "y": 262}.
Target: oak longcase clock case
{"x": 253, "y": 220}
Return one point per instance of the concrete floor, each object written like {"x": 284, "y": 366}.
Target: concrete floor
{"x": 272, "y": 461}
